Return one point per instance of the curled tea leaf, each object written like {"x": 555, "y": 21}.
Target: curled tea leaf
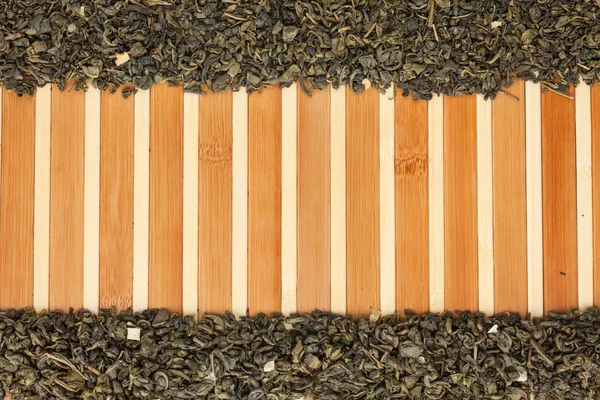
{"x": 324, "y": 355}
{"x": 422, "y": 47}
{"x": 290, "y": 33}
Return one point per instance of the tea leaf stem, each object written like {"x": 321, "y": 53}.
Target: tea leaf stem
{"x": 559, "y": 92}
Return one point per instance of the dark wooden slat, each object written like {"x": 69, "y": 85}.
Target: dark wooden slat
{"x": 559, "y": 199}
{"x": 412, "y": 204}
{"x": 166, "y": 198}
{"x": 460, "y": 207}
{"x": 510, "y": 201}
{"x": 264, "y": 201}
{"x": 314, "y": 201}
{"x": 362, "y": 202}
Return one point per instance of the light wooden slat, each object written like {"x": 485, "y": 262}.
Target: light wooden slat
{"x": 460, "y": 208}
{"x": 166, "y": 198}
{"x": 510, "y": 201}
{"x": 91, "y": 213}
{"x": 338, "y": 200}
{"x": 289, "y": 199}
{"x": 116, "y": 200}
{"x": 141, "y": 199}
{"x": 485, "y": 221}
{"x": 585, "y": 249}
{"x": 1, "y": 124}
{"x": 67, "y": 199}
{"x": 214, "y": 204}
{"x": 559, "y": 196}
{"x": 314, "y": 201}
{"x": 190, "y": 204}
{"x": 387, "y": 235}
{"x": 436, "y": 204}
{"x": 41, "y": 229}
{"x": 16, "y": 199}
{"x": 412, "y": 205}
{"x": 239, "y": 239}
{"x": 533, "y": 146}
{"x": 595, "y": 116}
{"x": 362, "y": 202}
{"x": 1, "y": 129}
{"x": 264, "y": 201}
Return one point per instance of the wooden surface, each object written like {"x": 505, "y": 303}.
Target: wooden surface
{"x": 485, "y": 212}
{"x": 141, "y": 199}
{"x": 17, "y": 200}
{"x": 214, "y": 202}
{"x": 166, "y": 197}
{"x": 116, "y": 201}
{"x": 338, "y": 200}
{"x": 412, "y": 205}
{"x": 584, "y": 199}
{"x": 362, "y": 202}
{"x": 533, "y": 162}
{"x": 510, "y": 201}
{"x": 559, "y": 202}
{"x": 264, "y": 201}
{"x": 460, "y": 207}
{"x": 435, "y": 175}
{"x": 239, "y": 200}
{"x": 66, "y": 199}
{"x": 332, "y": 148}
{"x": 289, "y": 199}
{"x": 190, "y": 286}
{"x": 314, "y": 201}
{"x": 91, "y": 201}
{"x": 595, "y": 117}
{"x": 387, "y": 203}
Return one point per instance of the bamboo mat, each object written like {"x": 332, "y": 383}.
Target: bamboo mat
{"x": 282, "y": 202}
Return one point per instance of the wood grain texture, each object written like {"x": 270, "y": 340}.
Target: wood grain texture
{"x": 533, "y": 157}
{"x": 166, "y": 198}
{"x": 17, "y": 200}
{"x": 510, "y": 201}
{"x": 91, "y": 202}
{"x": 141, "y": 199}
{"x": 485, "y": 218}
{"x": 314, "y": 201}
{"x": 1, "y": 98}
{"x": 239, "y": 200}
{"x": 585, "y": 240}
{"x": 460, "y": 207}
{"x": 289, "y": 199}
{"x": 514, "y": 199}
{"x": 191, "y": 133}
{"x": 559, "y": 198}
{"x": 214, "y": 202}
{"x": 387, "y": 204}
{"x": 264, "y": 201}
{"x": 435, "y": 139}
{"x": 338, "y": 199}
{"x": 362, "y": 202}
{"x": 595, "y": 106}
{"x": 66, "y": 199}
{"x": 41, "y": 218}
{"x": 412, "y": 204}
{"x": 116, "y": 200}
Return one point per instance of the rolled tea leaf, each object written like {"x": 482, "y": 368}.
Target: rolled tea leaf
{"x": 319, "y": 355}
{"x": 423, "y": 47}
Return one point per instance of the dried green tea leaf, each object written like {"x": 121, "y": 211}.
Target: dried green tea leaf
{"x": 312, "y": 356}
{"x": 422, "y": 47}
